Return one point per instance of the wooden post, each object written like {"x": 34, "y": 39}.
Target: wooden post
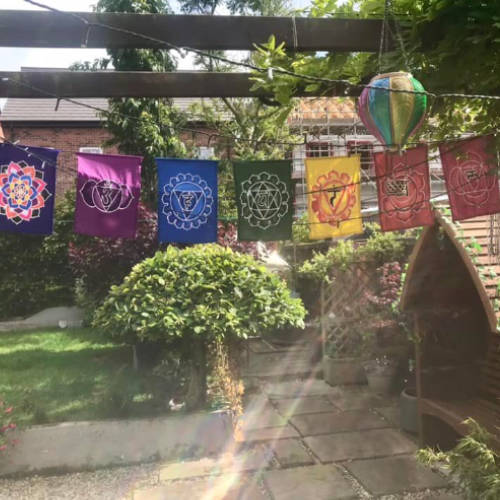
{"x": 322, "y": 320}
{"x": 419, "y": 338}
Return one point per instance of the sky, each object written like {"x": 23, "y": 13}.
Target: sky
{"x": 11, "y": 59}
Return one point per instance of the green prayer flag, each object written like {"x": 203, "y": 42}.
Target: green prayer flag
{"x": 264, "y": 197}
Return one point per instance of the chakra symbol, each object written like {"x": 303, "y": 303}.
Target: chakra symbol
{"x": 187, "y": 201}
{"x": 264, "y": 200}
{"x": 107, "y": 196}
{"x": 472, "y": 179}
{"x": 334, "y": 195}
{"x": 406, "y": 194}
{"x": 23, "y": 192}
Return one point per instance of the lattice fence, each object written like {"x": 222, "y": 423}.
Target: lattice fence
{"x": 345, "y": 310}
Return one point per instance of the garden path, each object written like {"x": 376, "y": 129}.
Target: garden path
{"x": 302, "y": 439}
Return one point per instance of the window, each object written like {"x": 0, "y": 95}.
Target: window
{"x": 319, "y": 149}
{"x": 91, "y": 149}
{"x": 205, "y": 153}
{"x": 365, "y": 150}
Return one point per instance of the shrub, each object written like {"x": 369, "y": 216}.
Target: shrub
{"x": 99, "y": 263}
{"x": 474, "y": 463}
{"x": 34, "y": 270}
{"x": 227, "y": 236}
{"x": 378, "y": 248}
{"x": 188, "y": 298}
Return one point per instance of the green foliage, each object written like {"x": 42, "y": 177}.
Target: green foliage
{"x": 319, "y": 267}
{"x": 146, "y": 126}
{"x": 474, "y": 463}
{"x": 379, "y": 248}
{"x": 34, "y": 270}
{"x": 300, "y": 229}
{"x": 205, "y": 292}
{"x": 432, "y": 36}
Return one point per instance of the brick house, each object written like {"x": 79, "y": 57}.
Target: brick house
{"x": 69, "y": 128}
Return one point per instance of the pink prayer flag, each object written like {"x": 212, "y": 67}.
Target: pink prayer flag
{"x": 470, "y": 172}
{"x": 107, "y": 195}
{"x": 404, "y": 189}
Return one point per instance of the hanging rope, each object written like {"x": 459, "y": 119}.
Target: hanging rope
{"x": 383, "y": 35}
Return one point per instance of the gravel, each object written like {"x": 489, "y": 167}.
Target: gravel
{"x": 106, "y": 484}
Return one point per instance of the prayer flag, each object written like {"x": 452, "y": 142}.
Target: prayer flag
{"x": 107, "y": 195}
{"x": 403, "y": 189}
{"x": 187, "y": 200}
{"x": 27, "y": 188}
{"x": 470, "y": 172}
{"x": 333, "y": 200}
{"x": 264, "y": 197}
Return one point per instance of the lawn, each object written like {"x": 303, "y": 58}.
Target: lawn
{"x": 61, "y": 375}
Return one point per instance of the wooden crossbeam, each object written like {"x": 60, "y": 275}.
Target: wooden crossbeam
{"x": 77, "y": 84}
{"x": 51, "y": 29}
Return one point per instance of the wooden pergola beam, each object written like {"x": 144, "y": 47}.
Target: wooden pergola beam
{"x": 51, "y": 29}
{"x": 75, "y": 84}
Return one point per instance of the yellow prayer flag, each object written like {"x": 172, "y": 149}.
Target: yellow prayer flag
{"x": 333, "y": 200}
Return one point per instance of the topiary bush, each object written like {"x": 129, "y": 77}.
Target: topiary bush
{"x": 188, "y": 298}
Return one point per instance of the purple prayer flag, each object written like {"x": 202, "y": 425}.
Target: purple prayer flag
{"x": 107, "y": 195}
{"x": 27, "y": 188}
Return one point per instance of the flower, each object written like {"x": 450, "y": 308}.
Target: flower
{"x": 22, "y": 192}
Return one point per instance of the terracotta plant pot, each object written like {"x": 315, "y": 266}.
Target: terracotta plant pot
{"x": 408, "y": 408}
{"x": 343, "y": 371}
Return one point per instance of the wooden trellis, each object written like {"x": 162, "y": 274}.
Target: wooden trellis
{"x": 343, "y": 305}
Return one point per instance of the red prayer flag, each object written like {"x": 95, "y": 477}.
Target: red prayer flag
{"x": 403, "y": 189}
{"x": 469, "y": 168}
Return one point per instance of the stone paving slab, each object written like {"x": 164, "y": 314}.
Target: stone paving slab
{"x": 226, "y": 487}
{"x": 266, "y": 434}
{"x": 384, "y": 476}
{"x": 290, "y": 452}
{"x": 255, "y": 458}
{"x": 360, "y": 400}
{"x": 257, "y": 402}
{"x": 361, "y": 444}
{"x": 328, "y": 423}
{"x": 317, "y": 482}
{"x": 298, "y": 388}
{"x": 391, "y": 414}
{"x": 300, "y": 406}
{"x": 259, "y": 419}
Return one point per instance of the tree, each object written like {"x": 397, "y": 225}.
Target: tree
{"x": 187, "y": 299}
{"x": 143, "y": 126}
{"x": 449, "y": 45}
{"x": 253, "y": 128}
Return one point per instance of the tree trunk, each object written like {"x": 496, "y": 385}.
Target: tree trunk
{"x": 197, "y": 389}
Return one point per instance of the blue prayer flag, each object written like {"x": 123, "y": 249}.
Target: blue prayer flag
{"x": 27, "y": 188}
{"x": 187, "y": 200}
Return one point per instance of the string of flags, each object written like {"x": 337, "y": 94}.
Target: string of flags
{"x": 109, "y": 188}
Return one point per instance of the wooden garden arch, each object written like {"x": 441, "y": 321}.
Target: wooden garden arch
{"x": 452, "y": 294}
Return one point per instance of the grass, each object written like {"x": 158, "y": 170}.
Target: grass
{"x": 57, "y": 375}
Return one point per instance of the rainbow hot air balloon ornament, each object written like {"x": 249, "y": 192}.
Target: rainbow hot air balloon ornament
{"x": 392, "y": 117}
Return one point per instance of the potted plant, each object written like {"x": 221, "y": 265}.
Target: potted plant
{"x": 380, "y": 373}
{"x": 408, "y": 401}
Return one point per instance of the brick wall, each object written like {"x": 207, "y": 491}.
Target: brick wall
{"x": 67, "y": 139}
{"x": 70, "y": 139}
